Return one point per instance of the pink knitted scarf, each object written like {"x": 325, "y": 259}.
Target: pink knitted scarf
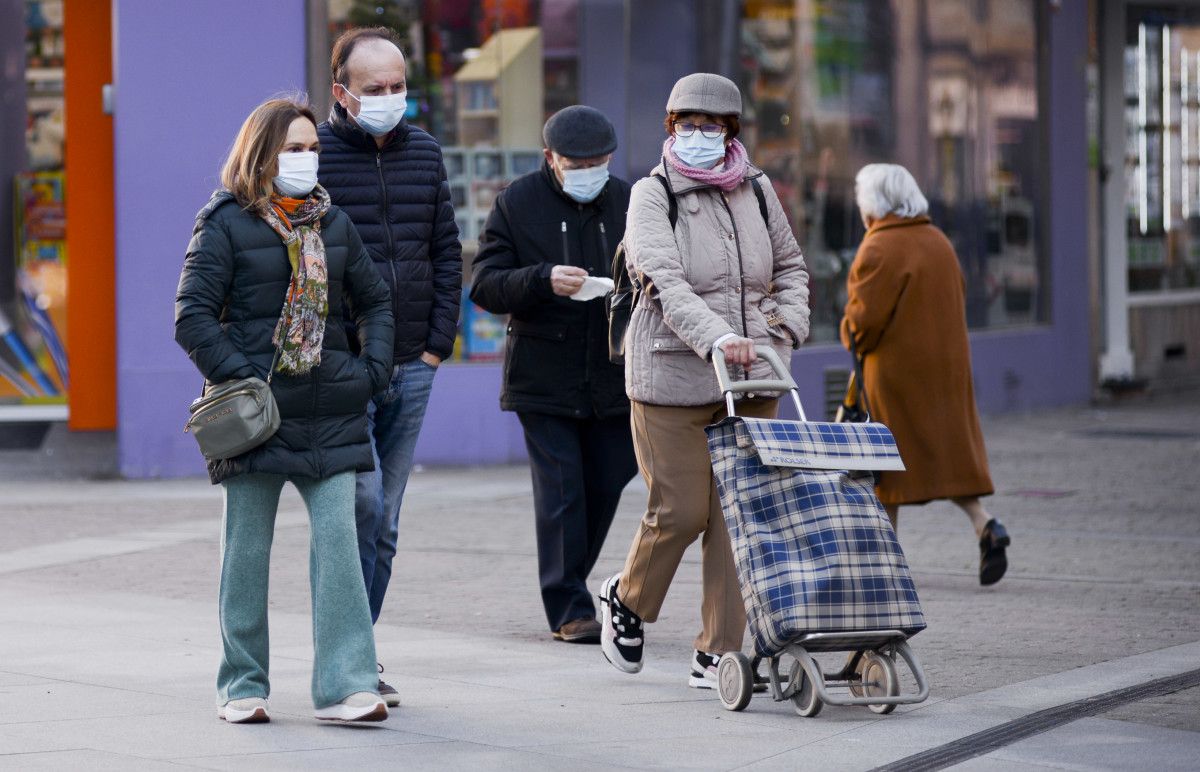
{"x": 726, "y": 179}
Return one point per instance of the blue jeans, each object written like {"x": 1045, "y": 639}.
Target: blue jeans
{"x": 394, "y": 421}
{"x": 344, "y": 646}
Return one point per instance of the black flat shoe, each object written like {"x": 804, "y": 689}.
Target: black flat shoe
{"x": 992, "y": 559}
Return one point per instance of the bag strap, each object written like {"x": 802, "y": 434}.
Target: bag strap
{"x": 672, "y": 204}
{"x": 762, "y": 200}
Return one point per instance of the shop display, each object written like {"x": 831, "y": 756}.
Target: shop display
{"x": 483, "y": 76}
{"x": 948, "y": 89}
{"x": 33, "y": 355}
{"x": 33, "y": 337}
{"x": 1162, "y": 155}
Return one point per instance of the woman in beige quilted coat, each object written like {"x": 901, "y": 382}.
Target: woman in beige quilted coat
{"x": 727, "y": 274}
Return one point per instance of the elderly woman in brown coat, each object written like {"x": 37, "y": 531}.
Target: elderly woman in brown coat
{"x": 709, "y": 240}
{"x": 905, "y": 317}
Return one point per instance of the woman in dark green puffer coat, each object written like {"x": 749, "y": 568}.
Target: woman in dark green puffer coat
{"x": 272, "y": 265}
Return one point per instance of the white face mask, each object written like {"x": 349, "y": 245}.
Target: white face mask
{"x": 698, "y": 150}
{"x": 379, "y": 114}
{"x": 584, "y": 185}
{"x": 297, "y": 174}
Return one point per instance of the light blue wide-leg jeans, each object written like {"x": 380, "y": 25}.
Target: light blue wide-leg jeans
{"x": 343, "y": 641}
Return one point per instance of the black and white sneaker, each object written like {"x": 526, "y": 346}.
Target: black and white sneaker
{"x": 620, "y": 630}
{"x": 704, "y": 670}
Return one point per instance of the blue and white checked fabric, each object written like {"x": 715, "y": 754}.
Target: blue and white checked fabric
{"x": 817, "y": 445}
{"x": 814, "y": 550}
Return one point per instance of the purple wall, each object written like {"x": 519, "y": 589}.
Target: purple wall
{"x": 186, "y": 76}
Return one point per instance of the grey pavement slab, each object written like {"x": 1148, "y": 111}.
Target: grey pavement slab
{"x": 109, "y": 643}
{"x": 1096, "y": 745}
{"x": 426, "y": 756}
{"x": 83, "y": 759}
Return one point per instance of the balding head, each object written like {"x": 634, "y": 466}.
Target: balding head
{"x": 366, "y": 62}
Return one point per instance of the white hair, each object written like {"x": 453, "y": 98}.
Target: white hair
{"x": 883, "y": 189}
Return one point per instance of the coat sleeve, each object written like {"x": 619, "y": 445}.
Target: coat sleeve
{"x": 651, "y": 250}
{"x": 873, "y": 288}
{"x": 499, "y": 283}
{"x": 204, "y": 285}
{"x": 369, "y": 308}
{"x": 446, "y": 255}
{"x": 789, "y": 279}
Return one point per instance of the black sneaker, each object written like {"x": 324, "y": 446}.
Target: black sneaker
{"x": 390, "y": 696}
{"x": 993, "y": 561}
{"x": 704, "y": 670}
{"x": 620, "y": 630}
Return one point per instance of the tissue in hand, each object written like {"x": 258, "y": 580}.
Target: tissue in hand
{"x": 593, "y": 287}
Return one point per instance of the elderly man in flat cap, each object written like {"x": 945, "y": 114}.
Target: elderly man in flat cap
{"x": 550, "y": 236}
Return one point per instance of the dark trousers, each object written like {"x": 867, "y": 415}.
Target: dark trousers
{"x": 580, "y": 467}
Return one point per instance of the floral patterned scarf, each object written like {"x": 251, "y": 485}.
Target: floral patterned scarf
{"x": 301, "y": 327}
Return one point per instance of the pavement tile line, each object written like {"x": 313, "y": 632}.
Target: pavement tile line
{"x": 990, "y": 740}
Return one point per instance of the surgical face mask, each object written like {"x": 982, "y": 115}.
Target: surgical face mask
{"x": 584, "y": 185}
{"x": 379, "y": 114}
{"x": 698, "y": 150}
{"x": 297, "y": 174}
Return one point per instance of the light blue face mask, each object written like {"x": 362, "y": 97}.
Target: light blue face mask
{"x": 698, "y": 150}
{"x": 584, "y": 185}
{"x": 379, "y": 114}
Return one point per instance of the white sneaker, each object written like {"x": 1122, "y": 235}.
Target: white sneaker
{"x": 249, "y": 710}
{"x": 360, "y": 706}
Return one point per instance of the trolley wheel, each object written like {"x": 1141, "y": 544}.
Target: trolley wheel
{"x": 805, "y": 700}
{"x": 735, "y": 680}
{"x": 856, "y": 685}
{"x": 879, "y": 679}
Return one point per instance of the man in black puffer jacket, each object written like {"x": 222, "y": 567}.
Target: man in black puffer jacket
{"x": 389, "y": 178}
{"x": 549, "y": 232}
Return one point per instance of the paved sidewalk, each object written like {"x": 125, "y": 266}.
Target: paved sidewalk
{"x": 108, "y": 637}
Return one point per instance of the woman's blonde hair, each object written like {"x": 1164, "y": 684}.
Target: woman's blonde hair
{"x": 253, "y": 160}
{"x": 883, "y": 189}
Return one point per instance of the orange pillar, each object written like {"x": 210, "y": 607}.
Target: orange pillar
{"x": 91, "y": 246}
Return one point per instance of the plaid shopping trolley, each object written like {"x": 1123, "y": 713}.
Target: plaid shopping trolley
{"x": 818, "y": 562}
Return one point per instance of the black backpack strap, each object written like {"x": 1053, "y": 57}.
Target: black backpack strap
{"x": 672, "y": 206}
{"x": 762, "y": 201}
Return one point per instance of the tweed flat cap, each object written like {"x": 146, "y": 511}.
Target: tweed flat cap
{"x": 705, "y": 92}
{"x": 579, "y": 131}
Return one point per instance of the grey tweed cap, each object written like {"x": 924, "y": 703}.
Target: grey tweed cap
{"x": 579, "y": 131}
{"x": 705, "y": 92}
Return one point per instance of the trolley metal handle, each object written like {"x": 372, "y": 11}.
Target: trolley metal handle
{"x": 783, "y": 380}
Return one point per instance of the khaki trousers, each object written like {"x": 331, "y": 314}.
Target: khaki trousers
{"x": 672, "y": 454}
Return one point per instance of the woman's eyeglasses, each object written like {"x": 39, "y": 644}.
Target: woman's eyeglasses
{"x": 710, "y": 130}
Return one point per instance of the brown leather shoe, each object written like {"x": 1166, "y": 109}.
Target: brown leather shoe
{"x": 584, "y": 630}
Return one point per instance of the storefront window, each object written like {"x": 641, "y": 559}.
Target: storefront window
{"x": 483, "y": 76}
{"x": 946, "y": 88}
{"x": 33, "y": 357}
{"x": 1162, "y": 159}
